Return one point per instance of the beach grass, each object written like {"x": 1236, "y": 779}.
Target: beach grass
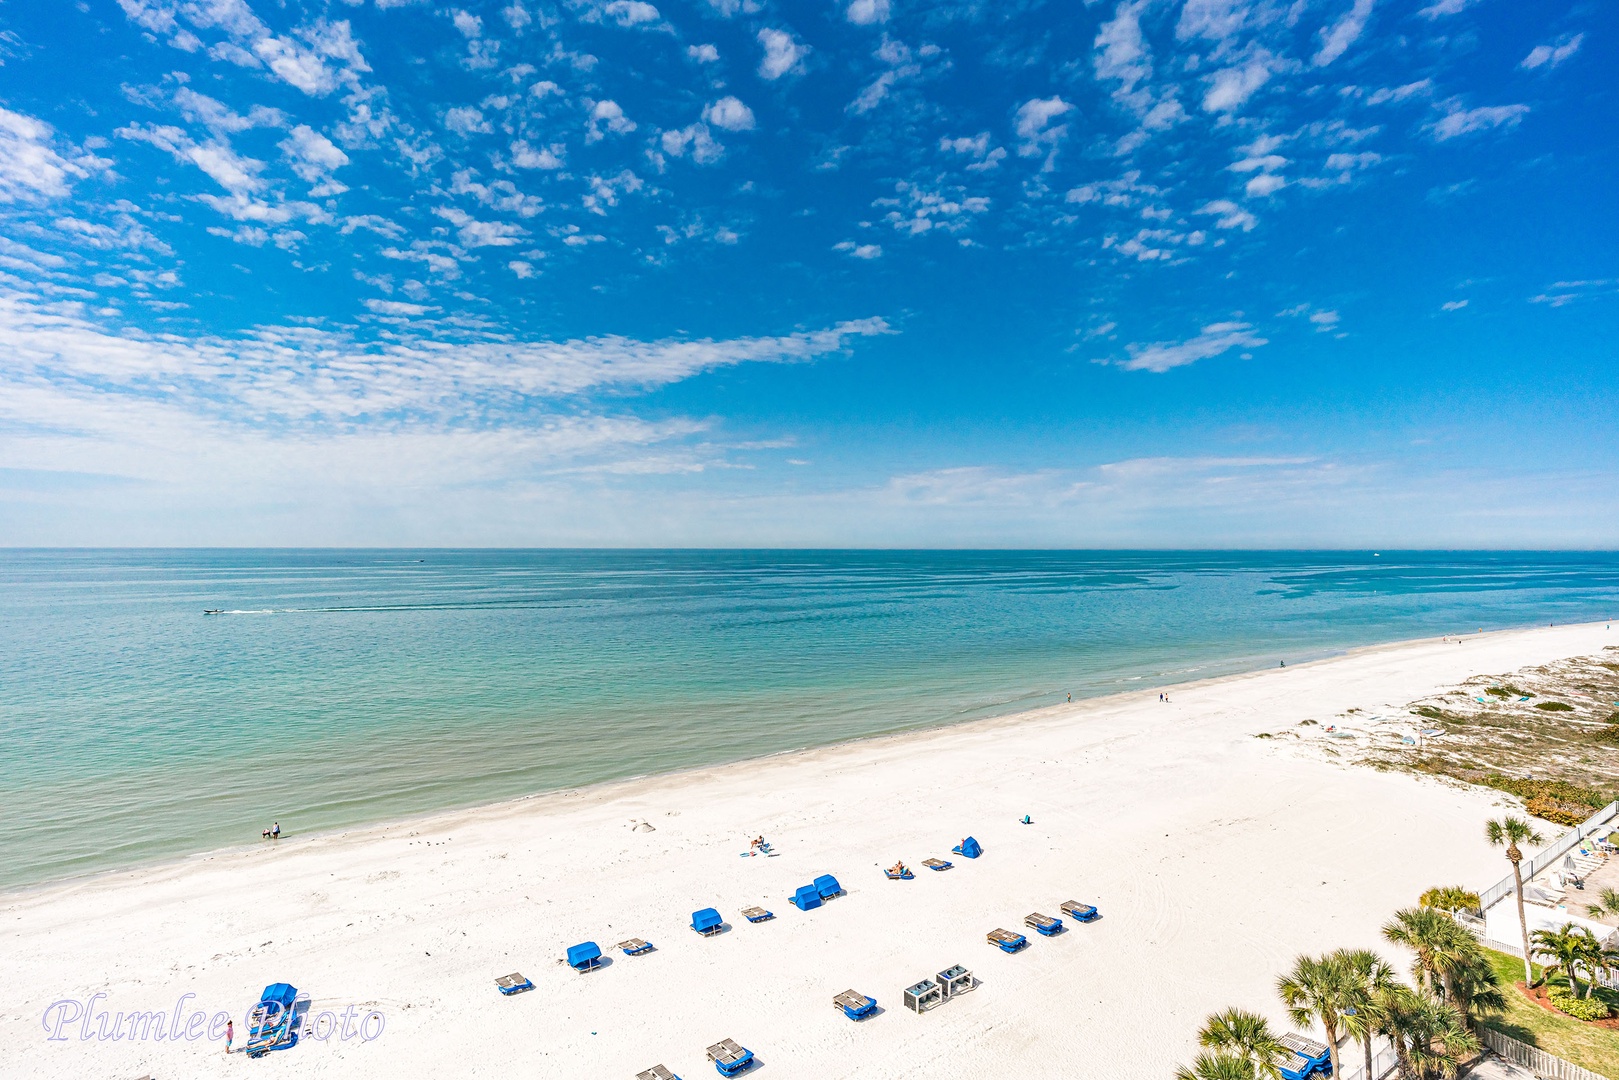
{"x": 1573, "y": 1040}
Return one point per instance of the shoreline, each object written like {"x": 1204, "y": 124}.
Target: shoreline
{"x": 605, "y": 788}
{"x": 1214, "y": 857}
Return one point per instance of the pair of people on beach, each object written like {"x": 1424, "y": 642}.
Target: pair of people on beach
{"x": 758, "y": 844}
{"x": 273, "y": 832}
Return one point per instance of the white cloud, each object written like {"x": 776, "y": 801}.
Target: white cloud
{"x": 525, "y": 156}
{"x": 1422, "y": 87}
{"x": 729, "y": 114}
{"x": 30, "y": 168}
{"x": 236, "y": 174}
{"x": 867, "y": 12}
{"x": 312, "y": 154}
{"x": 473, "y": 233}
{"x": 1231, "y": 87}
{"x": 1549, "y": 56}
{"x": 465, "y": 120}
{"x": 1265, "y": 184}
{"x": 859, "y": 251}
{"x": 1034, "y": 127}
{"x": 1213, "y": 340}
{"x": 703, "y": 54}
{"x": 219, "y": 118}
{"x": 1453, "y": 305}
{"x": 395, "y": 307}
{"x": 984, "y": 157}
{"x": 606, "y": 116}
{"x": 916, "y": 209}
{"x": 1445, "y": 7}
{"x": 521, "y": 268}
{"x": 1231, "y": 216}
{"x": 1459, "y": 121}
{"x": 784, "y": 54}
{"x": 470, "y": 26}
{"x": 631, "y": 12}
{"x": 1216, "y": 20}
{"x": 1337, "y": 38}
{"x": 704, "y": 148}
{"x": 1121, "y": 52}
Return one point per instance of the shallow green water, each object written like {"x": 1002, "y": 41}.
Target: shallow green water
{"x": 349, "y": 686}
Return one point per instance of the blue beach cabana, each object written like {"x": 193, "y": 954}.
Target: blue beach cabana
{"x": 828, "y": 886}
{"x": 586, "y": 956}
{"x": 968, "y": 849}
{"x": 707, "y": 922}
{"x": 271, "y": 1024}
{"x": 807, "y": 897}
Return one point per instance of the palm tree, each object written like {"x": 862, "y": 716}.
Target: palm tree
{"x": 1217, "y": 1067}
{"x": 1449, "y": 898}
{"x": 1247, "y": 1037}
{"x": 1606, "y": 907}
{"x": 1441, "y": 945}
{"x": 1428, "y": 1035}
{"x": 1595, "y": 958}
{"x": 1366, "y": 976}
{"x": 1318, "y": 990}
{"x": 1567, "y": 947}
{"x": 1476, "y": 988}
{"x": 1509, "y": 832}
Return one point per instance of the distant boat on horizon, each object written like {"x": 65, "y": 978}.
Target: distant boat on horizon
{"x": 212, "y": 611}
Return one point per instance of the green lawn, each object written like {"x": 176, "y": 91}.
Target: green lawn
{"x": 1595, "y": 1048}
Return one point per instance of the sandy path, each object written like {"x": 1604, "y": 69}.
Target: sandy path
{"x": 1214, "y": 856}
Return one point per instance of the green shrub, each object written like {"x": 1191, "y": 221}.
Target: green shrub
{"x": 1608, "y": 735}
{"x": 1554, "y": 706}
{"x": 1496, "y": 691}
{"x": 1577, "y": 1007}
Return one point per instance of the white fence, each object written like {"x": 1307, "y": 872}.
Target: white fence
{"x": 1352, "y": 1062}
{"x": 1544, "y": 858}
{"x": 1535, "y": 1059}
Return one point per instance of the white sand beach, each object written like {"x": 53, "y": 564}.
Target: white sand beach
{"x": 1214, "y": 857}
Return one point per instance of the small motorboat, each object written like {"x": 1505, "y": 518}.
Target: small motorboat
{"x": 213, "y": 611}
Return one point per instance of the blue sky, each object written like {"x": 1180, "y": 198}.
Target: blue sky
{"x": 872, "y": 272}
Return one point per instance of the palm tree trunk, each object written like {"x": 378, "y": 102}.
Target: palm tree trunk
{"x": 1368, "y": 1043}
{"x": 1523, "y": 920}
{"x": 1332, "y": 1047}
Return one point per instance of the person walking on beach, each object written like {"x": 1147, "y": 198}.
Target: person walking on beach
{"x": 230, "y": 1034}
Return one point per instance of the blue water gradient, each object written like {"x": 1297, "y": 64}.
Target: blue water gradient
{"x": 343, "y": 687}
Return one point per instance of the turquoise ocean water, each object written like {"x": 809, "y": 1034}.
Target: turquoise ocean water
{"x": 342, "y": 687}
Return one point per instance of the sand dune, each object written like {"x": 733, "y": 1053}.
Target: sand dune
{"x": 1214, "y": 857}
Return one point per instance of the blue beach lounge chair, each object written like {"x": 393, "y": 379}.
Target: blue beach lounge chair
{"x": 634, "y": 946}
{"x": 707, "y": 922}
{"x": 902, "y": 874}
{"x": 968, "y": 849}
{"x": 828, "y": 886}
{"x": 1304, "y": 1057}
{"x": 657, "y": 1072}
{"x": 807, "y": 897}
{"x": 1079, "y": 912}
{"x": 937, "y": 864}
{"x": 1044, "y": 925}
{"x": 586, "y": 956}
{"x": 1007, "y": 941}
{"x": 513, "y": 984}
{"x": 729, "y": 1058}
{"x": 757, "y": 914}
{"x": 855, "y": 1005}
